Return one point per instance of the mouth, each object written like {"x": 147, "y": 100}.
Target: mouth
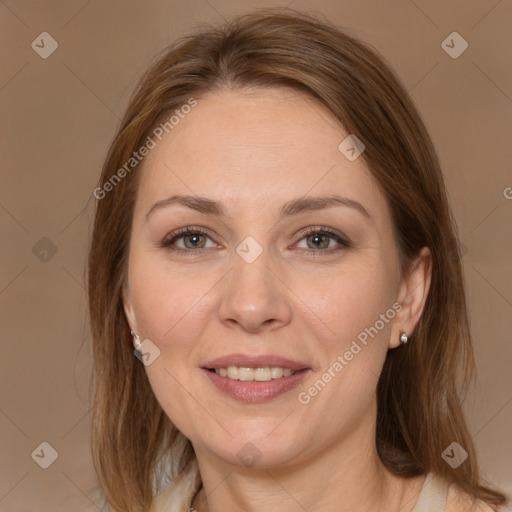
{"x": 247, "y": 374}
{"x": 254, "y": 378}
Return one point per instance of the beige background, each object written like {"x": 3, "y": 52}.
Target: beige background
{"x": 58, "y": 117}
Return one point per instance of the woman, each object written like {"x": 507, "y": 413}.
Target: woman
{"x": 273, "y": 242}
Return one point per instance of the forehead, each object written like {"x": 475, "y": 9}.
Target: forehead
{"x": 256, "y": 149}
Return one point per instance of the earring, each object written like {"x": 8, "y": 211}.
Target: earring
{"x": 136, "y": 340}
{"x": 404, "y": 338}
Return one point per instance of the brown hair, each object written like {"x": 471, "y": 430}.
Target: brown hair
{"x": 419, "y": 413}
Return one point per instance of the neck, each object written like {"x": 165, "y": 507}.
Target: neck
{"x": 347, "y": 476}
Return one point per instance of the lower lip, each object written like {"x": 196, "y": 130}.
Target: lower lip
{"x": 255, "y": 391}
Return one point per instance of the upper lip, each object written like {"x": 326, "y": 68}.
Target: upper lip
{"x": 248, "y": 361}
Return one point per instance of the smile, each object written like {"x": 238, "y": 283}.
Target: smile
{"x": 263, "y": 374}
{"x": 252, "y": 390}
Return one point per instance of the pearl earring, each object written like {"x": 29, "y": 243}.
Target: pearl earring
{"x": 404, "y": 338}
{"x": 136, "y": 340}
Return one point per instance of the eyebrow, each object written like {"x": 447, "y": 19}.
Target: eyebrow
{"x": 294, "y": 207}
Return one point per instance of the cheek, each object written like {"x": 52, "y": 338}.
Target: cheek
{"x": 357, "y": 308}
{"x": 170, "y": 308}
{"x": 169, "y": 305}
{"x": 348, "y": 302}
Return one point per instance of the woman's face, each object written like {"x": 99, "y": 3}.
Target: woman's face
{"x": 256, "y": 286}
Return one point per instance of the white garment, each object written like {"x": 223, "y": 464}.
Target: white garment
{"x": 433, "y": 495}
{"x": 178, "y": 495}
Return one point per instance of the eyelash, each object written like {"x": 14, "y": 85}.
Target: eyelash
{"x": 192, "y": 230}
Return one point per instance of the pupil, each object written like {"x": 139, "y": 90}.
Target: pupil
{"x": 317, "y": 238}
{"x": 194, "y": 238}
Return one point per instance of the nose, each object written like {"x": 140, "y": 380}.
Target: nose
{"x": 255, "y": 297}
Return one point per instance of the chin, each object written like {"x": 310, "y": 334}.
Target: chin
{"x": 255, "y": 448}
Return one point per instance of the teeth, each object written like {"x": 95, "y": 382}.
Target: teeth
{"x": 264, "y": 374}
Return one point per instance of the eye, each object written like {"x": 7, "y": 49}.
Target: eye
{"x": 192, "y": 237}
{"x": 321, "y": 237}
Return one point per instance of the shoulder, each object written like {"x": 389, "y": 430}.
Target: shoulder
{"x": 459, "y": 501}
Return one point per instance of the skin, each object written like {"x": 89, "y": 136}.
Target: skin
{"x": 253, "y": 152}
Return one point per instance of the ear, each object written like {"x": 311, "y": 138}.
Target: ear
{"x": 412, "y": 296}
{"x": 128, "y": 308}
